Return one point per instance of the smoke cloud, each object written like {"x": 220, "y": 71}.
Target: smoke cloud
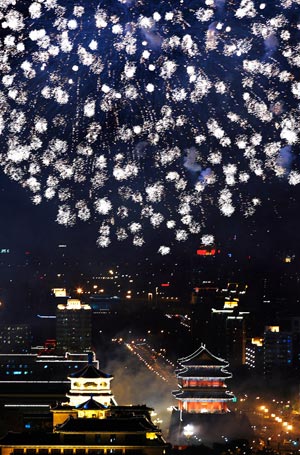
{"x": 134, "y": 384}
{"x": 285, "y": 158}
{"x": 189, "y": 160}
{"x": 271, "y": 44}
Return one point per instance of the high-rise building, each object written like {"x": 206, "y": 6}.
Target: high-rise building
{"x": 73, "y": 326}
{"x": 218, "y": 322}
{"x": 254, "y": 358}
{"x": 229, "y": 335}
{"x": 278, "y": 353}
{"x": 15, "y": 338}
{"x": 236, "y": 339}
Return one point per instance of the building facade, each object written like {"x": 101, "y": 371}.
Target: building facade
{"x": 203, "y": 415}
{"x": 201, "y": 380}
{"x": 73, "y": 326}
{"x": 278, "y": 352}
{"x": 87, "y": 426}
{"x": 90, "y": 381}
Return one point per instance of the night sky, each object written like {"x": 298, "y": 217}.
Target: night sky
{"x": 150, "y": 127}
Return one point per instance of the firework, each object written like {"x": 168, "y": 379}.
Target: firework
{"x": 136, "y": 114}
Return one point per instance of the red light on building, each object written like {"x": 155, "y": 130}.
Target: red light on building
{"x": 165, "y": 285}
{"x": 205, "y": 252}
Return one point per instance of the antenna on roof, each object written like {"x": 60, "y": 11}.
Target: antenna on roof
{"x": 90, "y": 358}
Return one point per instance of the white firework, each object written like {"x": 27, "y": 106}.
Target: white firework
{"x": 147, "y": 119}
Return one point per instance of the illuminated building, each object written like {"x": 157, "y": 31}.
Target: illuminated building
{"x": 90, "y": 430}
{"x": 15, "y": 338}
{"x": 254, "y": 354}
{"x": 90, "y": 427}
{"x": 90, "y": 381}
{"x": 103, "y": 303}
{"x": 73, "y": 326}
{"x": 229, "y": 338}
{"x": 39, "y": 367}
{"x": 30, "y": 382}
{"x": 216, "y": 316}
{"x": 218, "y": 322}
{"x": 203, "y": 401}
{"x": 291, "y": 324}
{"x": 236, "y": 339}
{"x": 59, "y": 292}
{"x": 278, "y": 353}
{"x": 201, "y": 379}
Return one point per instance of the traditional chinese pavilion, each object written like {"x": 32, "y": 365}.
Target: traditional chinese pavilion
{"x": 91, "y": 425}
{"x": 201, "y": 380}
{"x": 203, "y": 414}
{"x": 90, "y": 381}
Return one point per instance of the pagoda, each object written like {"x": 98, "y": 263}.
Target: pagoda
{"x": 201, "y": 380}
{"x": 90, "y": 381}
{"x": 91, "y": 425}
{"x": 202, "y": 415}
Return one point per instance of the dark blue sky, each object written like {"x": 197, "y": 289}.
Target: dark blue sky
{"x": 128, "y": 113}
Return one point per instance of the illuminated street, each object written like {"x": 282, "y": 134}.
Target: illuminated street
{"x": 154, "y": 361}
{"x": 275, "y": 424}
{"x": 149, "y": 376}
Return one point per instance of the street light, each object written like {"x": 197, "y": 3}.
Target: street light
{"x": 188, "y": 431}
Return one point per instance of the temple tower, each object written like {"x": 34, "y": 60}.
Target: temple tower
{"x": 90, "y": 381}
{"x": 201, "y": 381}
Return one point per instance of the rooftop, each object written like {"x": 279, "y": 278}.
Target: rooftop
{"x": 89, "y": 371}
{"x": 202, "y": 357}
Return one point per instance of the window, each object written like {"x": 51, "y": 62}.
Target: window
{"x": 68, "y": 451}
{"x": 98, "y": 439}
{"x": 72, "y": 439}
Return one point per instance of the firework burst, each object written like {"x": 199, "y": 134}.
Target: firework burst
{"x": 137, "y": 114}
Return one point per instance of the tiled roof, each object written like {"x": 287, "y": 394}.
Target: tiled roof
{"x": 30, "y": 438}
{"x": 89, "y": 371}
{"x": 110, "y": 424}
{"x": 206, "y": 394}
{"x": 200, "y": 372}
{"x": 91, "y": 404}
{"x": 202, "y": 357}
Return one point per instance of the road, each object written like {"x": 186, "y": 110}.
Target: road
{"x": 144, "y": 376}
{"x": 154, "y": 360}
{"x": 276, "y": 425}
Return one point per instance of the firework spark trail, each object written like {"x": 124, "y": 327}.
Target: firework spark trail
{"x": 138, "y": 114}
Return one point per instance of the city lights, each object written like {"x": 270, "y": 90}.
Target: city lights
{"x": 150, "y": 191}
